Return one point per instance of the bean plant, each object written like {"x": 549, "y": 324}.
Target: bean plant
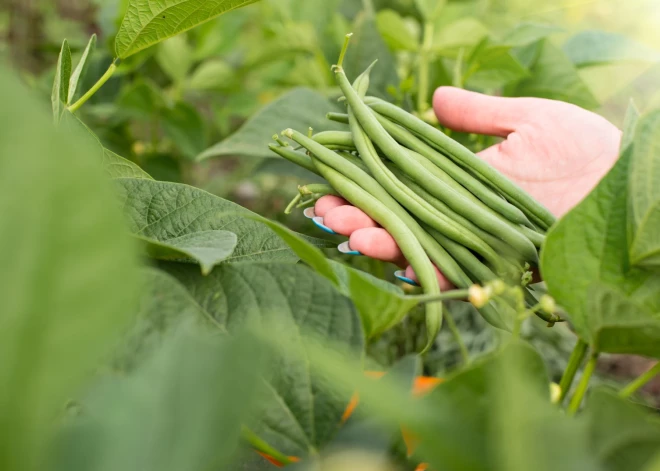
{"x": 150, "y": 324}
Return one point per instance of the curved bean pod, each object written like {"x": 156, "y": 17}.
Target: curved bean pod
{"x": 463, "y": 156}
{"x": 411, "y": 248}
{"x": 454, "y": 172}
{"x": 434, "y": 186}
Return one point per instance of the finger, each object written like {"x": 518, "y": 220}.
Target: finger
{"x": 326, "y": 203}
{"x": 347, "y": 219}
{"x": 466, "y": 111}
{"x": 377, "y": 243}
{"x": 445, "y": 284}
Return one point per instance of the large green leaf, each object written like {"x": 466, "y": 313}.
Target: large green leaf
{"x": 554, "y": 76}
{"x": 430, "y": 9}
{"x": 68, "y": 274}
{"x": 524, "y": 34}
{"x": 182, "y": 409}
{"x": 59, "y": 96}
{"x": 165, "y": 307}
{"x": 300, "y": 108}
{"x": 367, "y": 45}
{"x": 644, "y": 193}
{"x": 381, "y": 305}
{"x": 148, "y": 22}
{"x": 299, "y": 412}
{"x": 114, "y": 165}
{"x": 164, "y": 211}
{"x": 81, "y": 69}
{"x": 623, "y": 436}
{"x": 600, "y": 47}
{"x": 208, "y": 248}
{"x": 396, "y": 32}
{"x": 585, "y": 265}
{"x": 175, "y": 57}
{"x": 464, "y": 427}
{"x": 492, "y": 66}
{"x": 185, "y": 126}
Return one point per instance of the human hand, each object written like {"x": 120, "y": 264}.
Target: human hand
{"x": 555, "y": 151}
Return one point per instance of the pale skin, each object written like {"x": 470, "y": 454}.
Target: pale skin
{"x": 555, "y": 151}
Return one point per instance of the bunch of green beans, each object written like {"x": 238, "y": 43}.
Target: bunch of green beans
{"x": 441, "y": 203}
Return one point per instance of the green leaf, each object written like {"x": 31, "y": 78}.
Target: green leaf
{"x": 147, "y": 22}
{"x": 175, "y": 57}
{"x": 165, "y": 307}
{"x": 81, "y": 69}
{"x": 381, "y": 305}
{"x": 214, "y": 74}
{"x": 458, "y": 434}
{"x": 644, "y": 193}
{"x": 524, "y": 34}
{"x": 462, "y": 33}
{"x": 600, "y": 47}
{"x": 182, "y": 409}
{"x": 298, "y": 109}
{"x": 493, "y": 66}
{"x": 629, "y": 126}
{"x": 586, "y": 268}
{"x": 367, "y": 45}
{"x": 114, "y": 165}
{"x": 299, "y": 411}
{"x": 430, "y": 9}
{"x": 396, "y": 32}
{"x": 623, "y": 436}
{"x": 60, "y": 95}
{"x": 555, "y": 77}
{"x": 208, "y": 248}
{"x": 163, "y": 211}
{"x": 184, "y": 125}
{"x": 68, "y": 276}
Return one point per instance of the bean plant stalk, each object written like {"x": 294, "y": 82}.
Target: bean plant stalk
{"x": 424, "y": 64}
{"x": 95, "y": 88}
{"x": 583, "y": 385}
{"x": 574, "y": 362}
{"x": 633, "y": 387}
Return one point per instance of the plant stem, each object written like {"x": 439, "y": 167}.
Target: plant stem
{"x": 342, "y": 54}
{"x": 633, "y": 387}
{"x": 465, "y": 354}
{"x": 423, "y": 72}
{"x": 574, "y": 362}
{"x": 447, "y": 296}
{"x": 368, "y": 6}
{"x": 582, "y": 387}
{"x": 95, "y": 88}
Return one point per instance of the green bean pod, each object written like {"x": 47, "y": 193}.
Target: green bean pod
{"x": 453, "y": 171}
{"x": 297, "y": 158}
{"x": 434, "y": 186}
{"x": 356, "y": 173}
{"x": 334, "y": 138}
{"x": 466, "y": 158}
{"x": 499, "y": 246}
{"x": 408, "y": 243}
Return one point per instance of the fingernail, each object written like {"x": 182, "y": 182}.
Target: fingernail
{"x": 401, "y": 275}
{"x": 344, "y": 247}
{"x": 319, "y": 223}
{"x": 309, "y": 213}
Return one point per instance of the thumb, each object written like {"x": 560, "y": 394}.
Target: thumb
{"x": 465, "y": 111}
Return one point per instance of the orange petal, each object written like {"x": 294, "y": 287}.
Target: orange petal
{"x": 422, "y": 467}
{"x": 425, "y": 384}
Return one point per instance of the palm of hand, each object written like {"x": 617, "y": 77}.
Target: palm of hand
{"x": 557, "y": 152}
